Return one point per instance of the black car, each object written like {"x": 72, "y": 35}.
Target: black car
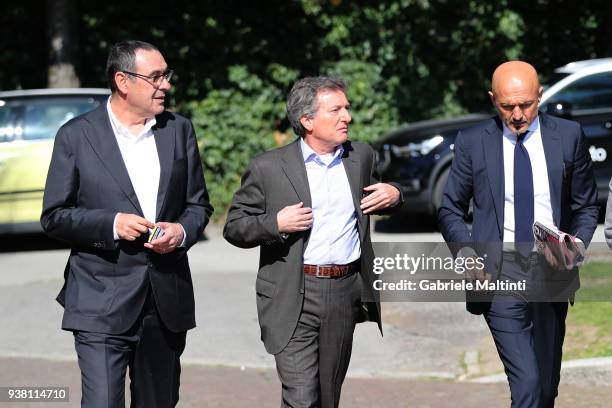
{"x": 419, "y": 155}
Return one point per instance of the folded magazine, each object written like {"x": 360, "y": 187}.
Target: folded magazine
{"x": 563, "y": 246}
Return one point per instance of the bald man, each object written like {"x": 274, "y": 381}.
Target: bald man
{"x": 520, "y": 167}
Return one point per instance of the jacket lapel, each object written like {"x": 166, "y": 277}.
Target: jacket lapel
{"x": 553, "y": 151}
{"x": 494, "y": 158}
{"x": 164, "y": 141}
{"x": 294, "y": 168}
{"x": 102, "y": 140}
{"x": 352, "y": 167}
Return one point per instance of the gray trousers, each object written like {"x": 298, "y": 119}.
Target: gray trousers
{"x": 151, "y": 352}
{"x": 313, "y": 365}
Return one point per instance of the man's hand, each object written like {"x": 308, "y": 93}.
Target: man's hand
{"x": 131, "y": 226}
{"x": 294, "y": 218}
{"x": 574, "y": 255}
{"x": 551, "y": 258}
{"x": 381, "y": 196}
{"x": 477, "y": 274}
{"x": 172, "y": 238}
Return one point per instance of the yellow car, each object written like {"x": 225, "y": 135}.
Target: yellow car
{"x": 29, "y": 120}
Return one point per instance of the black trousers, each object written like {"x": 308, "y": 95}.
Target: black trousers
{"x": 529, "y": 337}
{"x": 312, "y": 367}
{"x": 151, "y": 352}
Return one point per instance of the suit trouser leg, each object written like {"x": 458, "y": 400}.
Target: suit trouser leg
{"x": 548, "y": 334}
{"x": 149, "y": 350}
{"x": 336, "y": 337}
{"x": 312, "y": 367}
{"x": 155, "y": 365}
{"x": 511, "y": 325}
{"x": 103, "y": 360}
{"x": 529, "y": 339}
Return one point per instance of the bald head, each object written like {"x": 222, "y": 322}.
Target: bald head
{"x": 514, "y": 75}
{"x": 516, "y": 92}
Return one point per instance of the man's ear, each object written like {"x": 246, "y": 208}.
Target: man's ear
{"x": 306, "y": 121}
{"x": 492, "y": 97}
{"x": 121, "y": 80}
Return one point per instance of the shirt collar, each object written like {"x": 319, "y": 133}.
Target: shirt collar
{"x": 124, "y": 131}
{"x": 533, "y": 128}
{"x": 309, "y": 155}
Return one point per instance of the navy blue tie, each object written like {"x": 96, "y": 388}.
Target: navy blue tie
{"x": 523, "y": 198}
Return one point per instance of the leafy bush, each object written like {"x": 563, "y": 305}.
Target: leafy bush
{"x": 405, "y": 60}
{"x": 235, "y": 123}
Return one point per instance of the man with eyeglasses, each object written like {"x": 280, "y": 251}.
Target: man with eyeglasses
{"x": 519, "y": 168}
{"x": 118, "y": 175}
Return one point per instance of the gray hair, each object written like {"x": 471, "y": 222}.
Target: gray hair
{"x": 122, "y": 57}
{"x": 302, "y": 99}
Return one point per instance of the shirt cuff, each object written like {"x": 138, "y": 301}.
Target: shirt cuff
{"x": 115, "y": 236}
{"x": 182, "y": 245}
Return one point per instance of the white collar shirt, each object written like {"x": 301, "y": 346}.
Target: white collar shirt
{"x": 542, "y": 208}
{"x": 139, "y": 153}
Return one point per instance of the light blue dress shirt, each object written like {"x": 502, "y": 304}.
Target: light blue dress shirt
{"x": 334, "y": 238}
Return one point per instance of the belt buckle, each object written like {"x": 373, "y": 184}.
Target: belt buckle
{"x": 321, "y": 276}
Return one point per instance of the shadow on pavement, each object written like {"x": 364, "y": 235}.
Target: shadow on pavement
{"x": 29, "y": 242}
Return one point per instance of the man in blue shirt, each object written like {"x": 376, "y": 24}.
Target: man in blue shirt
{"x": 307, "y": 206}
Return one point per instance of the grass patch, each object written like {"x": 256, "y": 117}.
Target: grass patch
{"x": 589, "y": 322}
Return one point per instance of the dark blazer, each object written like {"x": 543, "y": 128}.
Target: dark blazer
{"x": 477, "y": 173}
{"x": 273, "y": 180}
{"x": 106, "y": 282}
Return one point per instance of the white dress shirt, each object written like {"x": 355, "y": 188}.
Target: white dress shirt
{"x": 542, "y": 208}
{"x": 140, "y": 156}
{"x": 334, "y": 238}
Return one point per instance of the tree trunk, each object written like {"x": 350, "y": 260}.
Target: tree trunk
{"x": 61, "y": 19}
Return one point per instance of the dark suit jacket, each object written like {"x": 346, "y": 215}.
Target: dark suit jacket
{"x": 273, "y": 180}
{"x": 106, "y": 282}
{"x": 478, "y": 172}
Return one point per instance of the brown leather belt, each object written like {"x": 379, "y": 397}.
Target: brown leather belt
{"x": 332, "y": 271}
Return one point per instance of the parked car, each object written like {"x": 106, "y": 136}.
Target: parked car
{"x": 29, "y": 120}
{"x": 419, "y": 155}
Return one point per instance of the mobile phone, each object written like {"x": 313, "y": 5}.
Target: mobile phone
{"x": 155, "y": 233}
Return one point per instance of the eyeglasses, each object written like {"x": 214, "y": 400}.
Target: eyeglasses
{"x": 156, "y": 80}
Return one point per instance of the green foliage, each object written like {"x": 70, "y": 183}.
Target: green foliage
{"x": 405, "y": 60}
{"x": 235, "y": 123}
{"x": 372, "y": 106}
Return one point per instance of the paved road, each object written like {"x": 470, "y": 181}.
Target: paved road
{"x": 227, "y": 387}
{"x": 422, "y": 340}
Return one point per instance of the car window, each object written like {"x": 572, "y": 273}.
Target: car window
{"x": 8, "y": 130}
{"x": 42, "y": 118}
{"x": 590, "y": 92}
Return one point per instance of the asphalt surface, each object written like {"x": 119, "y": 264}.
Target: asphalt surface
{"x": 206, "y": 386}
{"x": 426, "y": 358}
